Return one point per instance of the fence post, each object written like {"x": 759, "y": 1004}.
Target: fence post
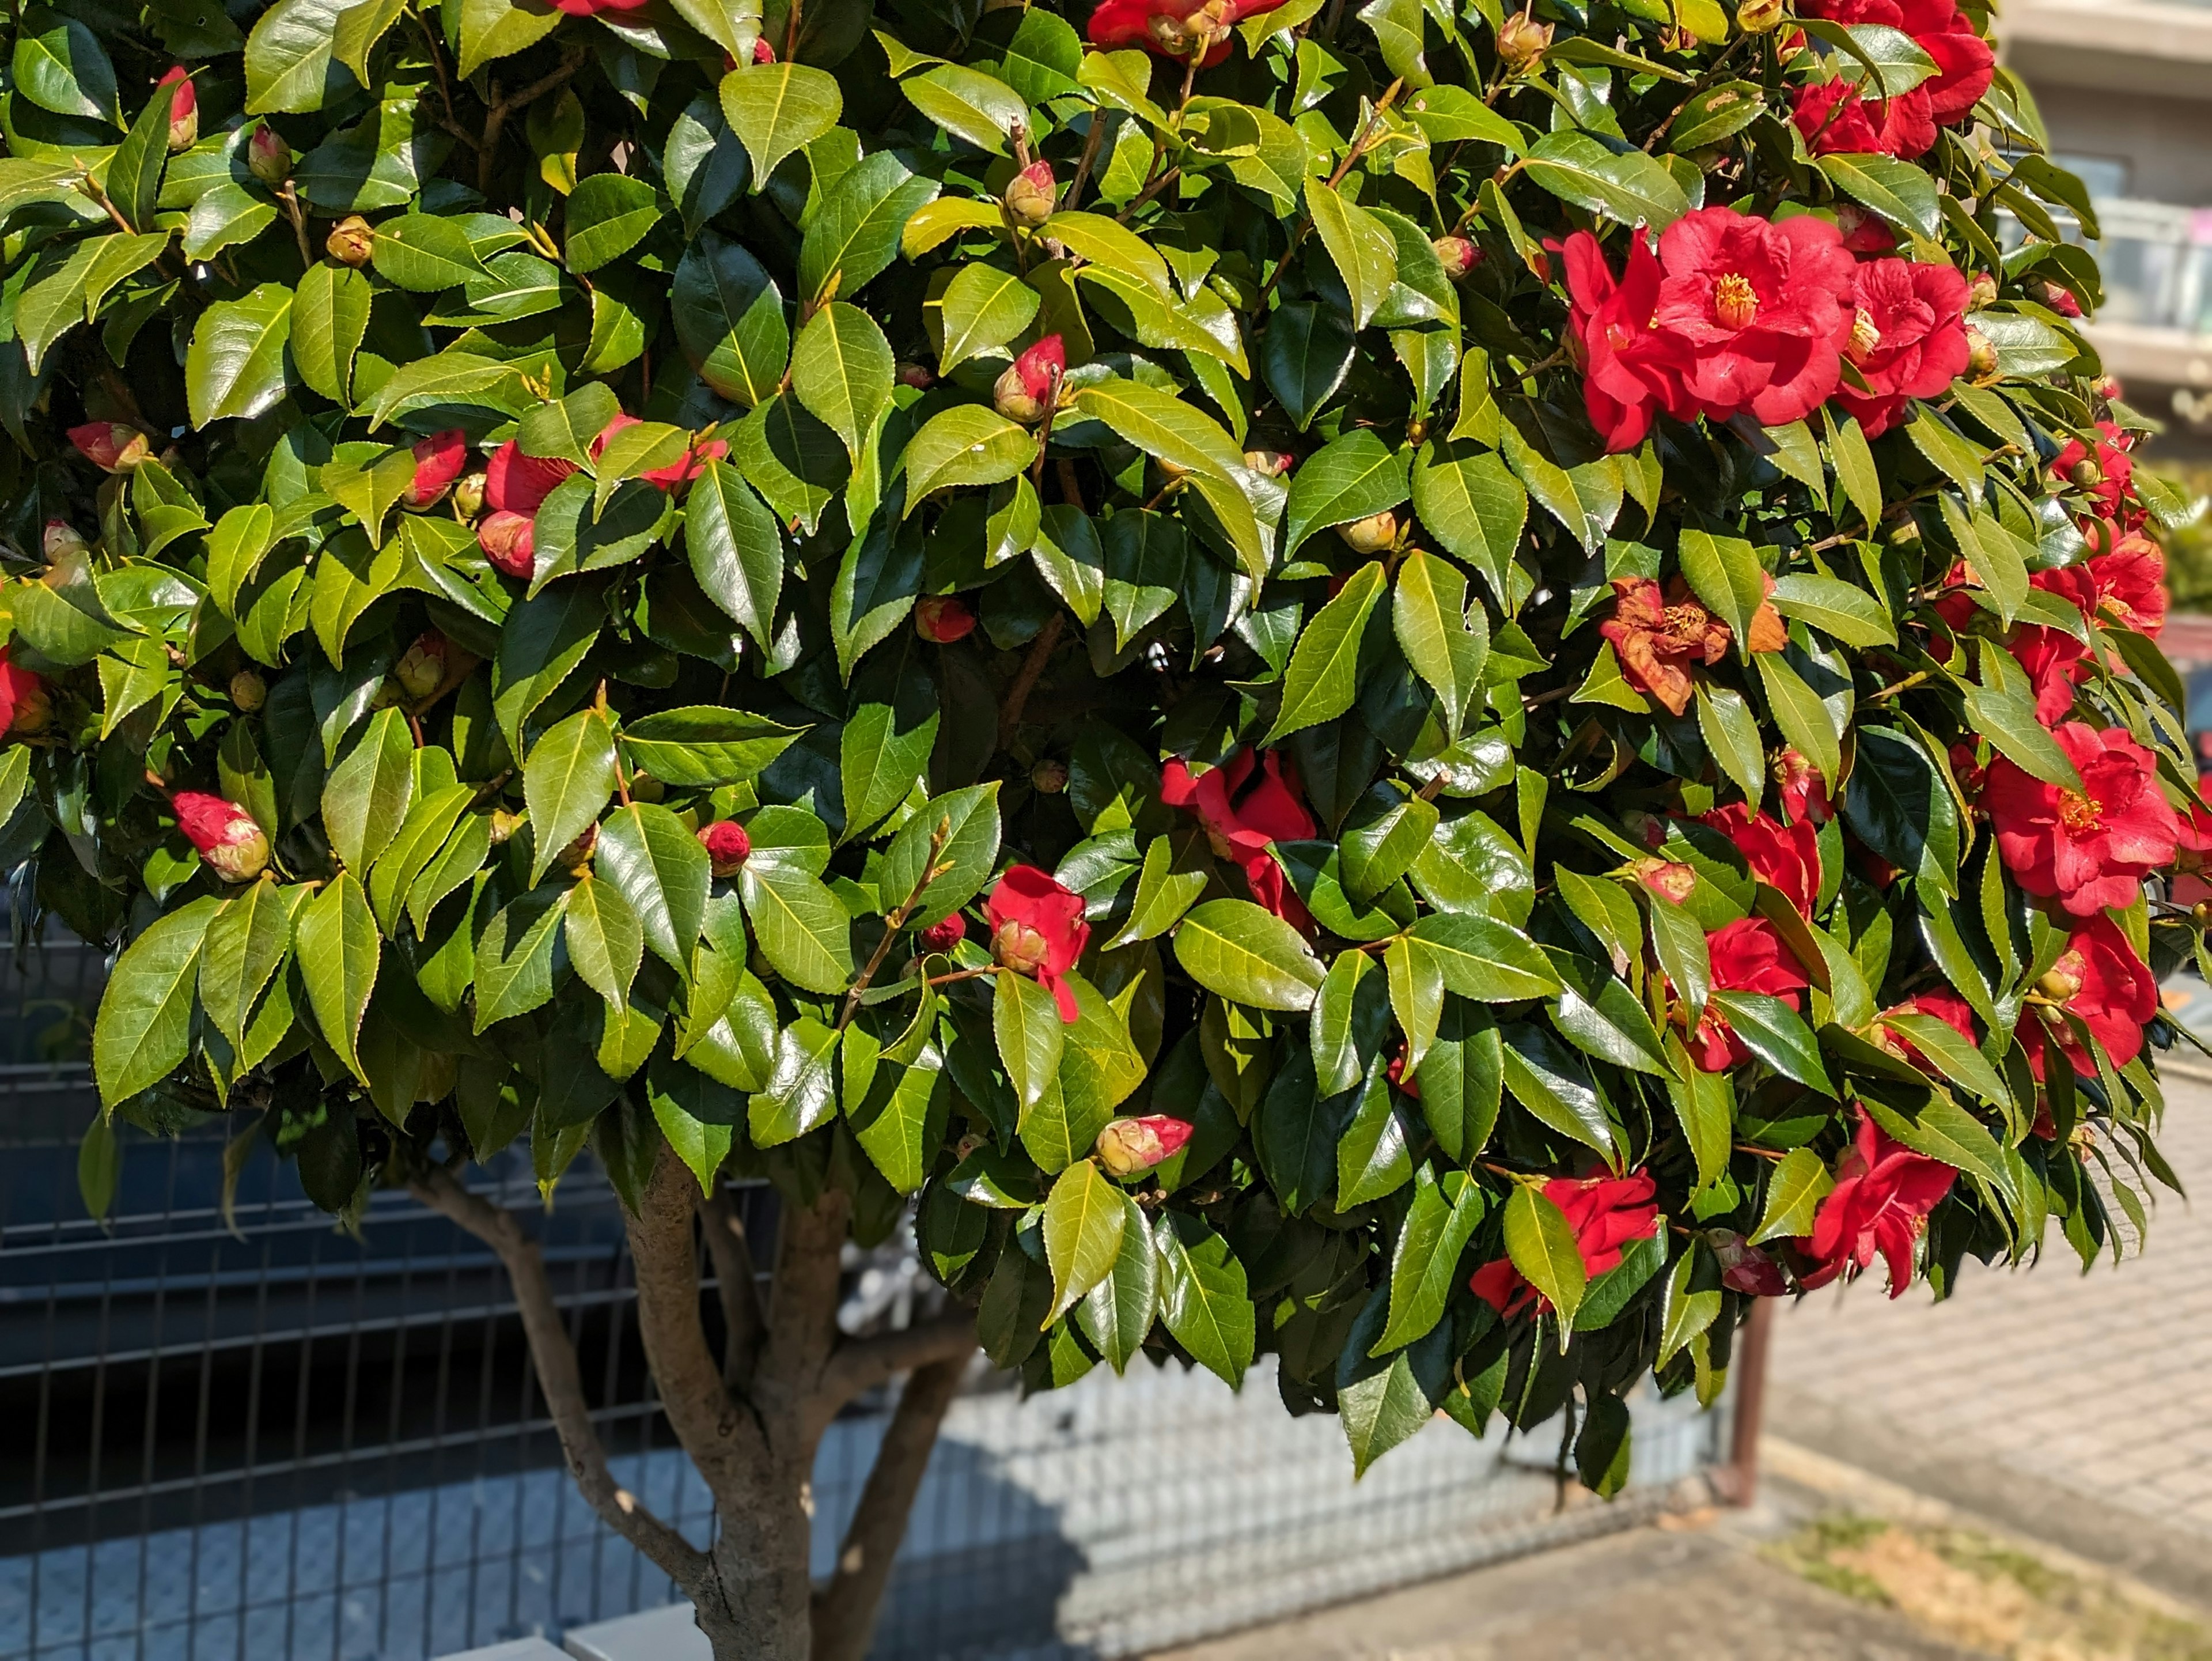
{"x": 1738, "y": 1480}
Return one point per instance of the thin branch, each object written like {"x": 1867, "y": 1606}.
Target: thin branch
{"x": 559, "y": 1380}
{"x": 495, "y": 117}
{"x": 859, "y": 1364}
{"x": 738, "y": 1282}
{"x": 895, "y": 921}
{"x": 1090, "y": 157}
{"x": 845, "y": 1609}
{"x": 1026, "y": 677}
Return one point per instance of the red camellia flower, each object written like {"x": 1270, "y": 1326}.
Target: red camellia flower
{"x": 1127, "y": 1146}
{"x": 677, "y": 473}
{"x": 1245, "y": 804}
{"x": 516, "y": 487}
{"x": 2126, "y": 586}
{"x": 1964, "y": 63}
{"x": 2056, "y": 663}
{"x": 184, "y": 112}
{"x": 438, "y": 459}
{"x": 1625, "y": 362}
{"x": 2099, "y": 978}
{"x": 230, "y": 843}
{"x": 1947, "y": 1006}
{"x": 727, "y": 844}
{"x": 1031, "y": 381}
{"x": 1883, "y": 1194}
{"x": 945, "y": 934}
{"x": 1660, "y": 636}
{"x": 1908, "y": 338}
{"x": 2115, "y": 472}
{"x": 1838, "y": 120}
{"x": 1748, "y": 955}
{"x": 25, "y": 704}
{"x": 1608, "y": 1214}
{"x": 2088, "y": 848}
{"x": 1402, "y": 1077}
{"x": 1037, "y": 929}
{"x": 1804, "y": 793}
{"x": 943, "y": 618}
{"x": 1784, "y": 856}
{"x": 594, "y": 8}
{"x": 1181, "y": 29}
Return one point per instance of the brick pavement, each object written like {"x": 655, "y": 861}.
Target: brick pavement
{"x": 2093, "y": 1384}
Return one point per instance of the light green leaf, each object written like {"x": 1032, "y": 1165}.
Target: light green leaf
{"x": 337, "y": 949}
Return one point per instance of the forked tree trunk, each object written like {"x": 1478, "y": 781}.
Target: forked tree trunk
{"x": 751, "y": 1422}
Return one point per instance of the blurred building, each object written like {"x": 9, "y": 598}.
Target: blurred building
{"x": 2125, "y": 87}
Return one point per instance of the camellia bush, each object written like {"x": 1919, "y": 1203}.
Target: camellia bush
{"x": 1429, "y": 691}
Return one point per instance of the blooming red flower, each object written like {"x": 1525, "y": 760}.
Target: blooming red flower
{"x": 945, "y": 934}
{"x": 1908, "y": 338}
{"x": 1883, "y": 1194}
{"x": 677, "y": 473}
{"x": 1179, "y": 29}
{"x": 1760, "y": 312}
{"x": 1037, "y": 929}
{"x": 230, "y": 843}
{"x": 185, "y": 110}
{"x": 1804, "y": 792}
{"x": 1625, "y": 363}
{"x": 1127, "y": 1146}
{"x": 1032, "y": 382}
{"x": 2099, "y": 978}
{"x": 2056, "y": 663}
{"x": 2089, "y": 848}
{"x": 2115, "y": 469}
{"x": 727, "y": 844}
{"x": 943, "y": 618}
{"x": 1748, "y": 955}
{"x": 2126, "y": 586}
{"x": 1838, "y": 120}
{"x": 1245, "y": 804}
{"x": 1660, "y": 636}
{"x": 438, "y": 459}
{"x": 25, "y": 704}
{"x": 1964, "y": 63}
{"x": 1784, "y": 856}
{"x": 1608, "y": 1215}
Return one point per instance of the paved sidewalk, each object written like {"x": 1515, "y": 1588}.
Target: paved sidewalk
{"x": 2065, "y": 1405}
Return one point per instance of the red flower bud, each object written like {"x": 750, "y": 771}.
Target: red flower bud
{"x": 1030, "y": 384}
{"x": 184, "y": 112}
{"x": 421, "y": 670}
{"x": 506, "y": 539}
{"x": 916, "y": 376}
{"x": 1037, "y": 929}
{"x": 1459, "y": 255}
{"x": 230, "y": 843}
{"x": 943, "y": 618}
{"x": 25, "y": 705}
{"x": 1031, "y": 195}
{"x": 726, "y": 845}
{"x": 1670, "y": 879}
{"x": 944, "y": 936}
{"x": 438, "y": 459}
{"x": 1982, "y": 291}
{"x": 1270, "y": 463}
{"x": 1744, "y": 1267}
{"x": 351, "y": 241}
{"x": 1401, "y": 1075}
{"x": 1129, "y": 1147}
{"x": 763, "y": 53}
{"x": 110, "y": 445}
{"x": 268, "y": 157}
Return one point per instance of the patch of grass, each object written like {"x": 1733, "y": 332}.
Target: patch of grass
{"x": 1983, "y": 1593}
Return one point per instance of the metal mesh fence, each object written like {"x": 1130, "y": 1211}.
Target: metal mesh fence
{"x": 256, "y": 1436}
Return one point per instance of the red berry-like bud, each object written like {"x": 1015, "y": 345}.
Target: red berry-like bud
{"x": 943, "y": 618}
{"x": 944, "y": 936}
{"x": 230, "y": 843}
{"x": 916, "y": 376}
{"x": 1032, "y": 381}
{"x": 268, "y": 157}
{"x": 25, "y": 705}
{"x": 726, "y": 845}
{"x": 1031, "y": 195}
{"x": 1129, "y": 1147}
{"x": 110, "y": 445}
{"x": 1458, "y": 255}
{"x": 184, "y": 112}
{"x": 438, "y": 459}
{"x": 763, "y": 53}
{"x": 506, "y": 539}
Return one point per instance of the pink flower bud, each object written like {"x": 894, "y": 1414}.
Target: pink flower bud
{"x": 1459, "y": 255}
{"x": 1030, "y": 384}
{"x": 1031, "y": 195}
{"x": 1128, "y": 1147}
{"x": 1371, "y": 535}
{"x": 351, "y": 241}
{"x": 1670, "y": 879}
{"x": 726, "y": 845}
{"x": 944, "y": 936}
{"x": 506, "y": 539}
{"x": 248, "y": 690}
{"x": 421, "y": 670}
{"x": 1270, "y": 463}
{"x": 943, "y": 618}
{"x": 184, "y": 112}
{"x": 438, "y": 459}
{"x": 916, "y": 376}
{"x": 110, "y": 445}
{"x": 229, "y": 843}
{"x": 268, "y": 157}
{"x": 61, "y": 542}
